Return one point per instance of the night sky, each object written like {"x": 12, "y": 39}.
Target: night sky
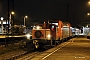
{"x": 73, "y": 11}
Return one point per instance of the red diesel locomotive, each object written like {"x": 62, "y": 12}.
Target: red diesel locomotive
{"x": 50, "y": 33}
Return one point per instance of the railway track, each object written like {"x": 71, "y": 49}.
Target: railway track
{"x": 29, "y": 56}
{"x": 12, "y": 51}
{"x": 25, "y": 55}
{"x": 32, "y": 54}
{"x": 43, "y": 54}
{"x": 12, "y": 55}
{"x": 20, "y": 53}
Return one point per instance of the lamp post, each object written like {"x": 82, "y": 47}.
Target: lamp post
{"x": 24, "y": 19}
{"x": 10, "y": 21}
{"x": 88, "y": 15}
{"x": 2, "y": 23}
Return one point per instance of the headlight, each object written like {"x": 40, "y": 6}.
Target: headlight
{"x": 48, "y": 36}
{"x": 28, "y": 36}
{"x": 38, "y": 27}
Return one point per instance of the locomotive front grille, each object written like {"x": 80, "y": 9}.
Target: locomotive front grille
{"x": 38, "y": 34}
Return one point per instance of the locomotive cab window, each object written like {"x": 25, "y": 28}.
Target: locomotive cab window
{"x": 53, "y": 27}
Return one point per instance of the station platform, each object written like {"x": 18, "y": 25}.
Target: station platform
{"x": 74, "y": 49}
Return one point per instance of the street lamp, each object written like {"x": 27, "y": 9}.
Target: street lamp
{"x": 89, "y": 2}
{"x": 24, "y": 19}
{"x": 11, "y": 22}
{"x": 88, "y": 13}
{"x": 88, "y": 16}
{"x": 2, "y": 23}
